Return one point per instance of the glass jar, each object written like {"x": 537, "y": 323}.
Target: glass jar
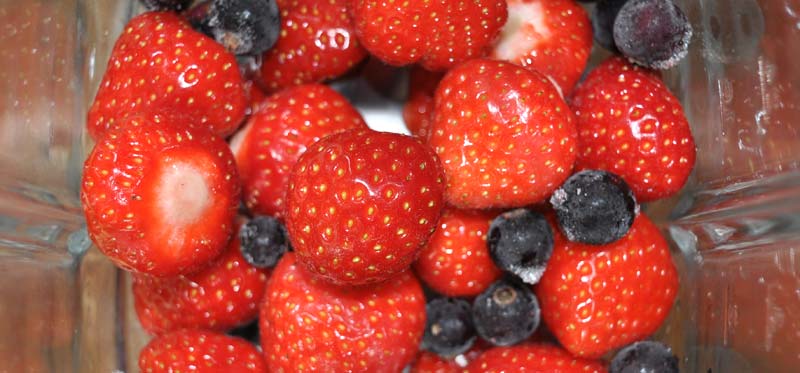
{"x": 735, "y": 227}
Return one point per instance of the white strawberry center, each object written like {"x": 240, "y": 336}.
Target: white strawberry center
{"x": 525, "y": 27}
{"x": 183, "y": 194}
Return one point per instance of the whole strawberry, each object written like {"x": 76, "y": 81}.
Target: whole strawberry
{"x": 159, "y": 196}
{"x": 278, "y": 132}
{"x": 160, "y": 65}
{"x": 200, "y": 351}
{"x": 533, "y": 357}
{"x": 220, "y": 297}
{"x": 317, "y": 42}
{"x": 418, "y": 109}
{"x": 504, "y": 135}
{"x": 436, "y": 34}
{"x": 429, "y": 362}
{"x": 595, "y": 299}
{"x": 553, "y": 37}
{"x": 362, "y": 203}
{"x": 456, "y": 260}
{"x": 630, "y": 124}
{"x": 310, "y": 325}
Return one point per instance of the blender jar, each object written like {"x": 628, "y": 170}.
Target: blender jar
{"x": 735, "y": 227}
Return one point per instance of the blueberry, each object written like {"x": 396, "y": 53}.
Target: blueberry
{"x": 652, "y": 33}
{"x": 605, "y": 12}
{"x": 249, "y": 332}
{"x": 175, "y": 5}
{"x": 521, "y": 242}
{"x": 448, "y": 330}
{"x": 263, "y": 241}
{"x": 644, "y": 357}
{"x": 244, "y": 27}
{"x": 594, "y": 207}
{"x": 506, "y": 313}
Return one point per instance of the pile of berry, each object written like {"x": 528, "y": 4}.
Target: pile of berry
{"x": 505, "y": 235}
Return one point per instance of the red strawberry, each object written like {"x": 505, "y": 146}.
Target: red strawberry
{"x": 535, "y": 358}
{"x": 279, "y": 132}
{"x": 598, "y": 298}
{"x": 418, "y": 110}
{"x": 553, "y": 37}
{"x": 428, "y": 362}
{"x": 200, "y": 351}
{"x": 362, "y": 203}
{"x": 317, "y": 42}
{"x": 456, "y": 260}
{"x": 160, "y": 65}
{"x": 160, "y": 197}
{"x": 503, "y": 133}
{"x": 630, "y": 124}
{"x": 220, "y": 297}
{"x": 309, "y": 325}
{"x": 255, "y": 96}
{"x": 437, "y": 34}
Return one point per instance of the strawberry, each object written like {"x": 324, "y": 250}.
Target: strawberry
{"x": 317, "y": 42}
{"x": 362, "y": 203}
{"x": 418, "y": 109}
{"x": 598, "y": 298}
{"x": 553, "y": 37}
{"x": 503, "y": 133}
{"x": 200, "y": 351}
{"x": 532, "y": 357}
{"x": 310, "y": 325}
{"x": 220, "y": 297}
{"x": 429, "y": 362}
{"x": 160, "y": 65}
{"x": 437, "y": 34}
{"x": 277, "y": 134}
{"x": 456, "y": 260}
{"x": 630, "y": 124}
{"x": 160, "y": 197}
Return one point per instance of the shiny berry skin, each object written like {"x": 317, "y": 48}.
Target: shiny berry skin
{"x": 652, "y": 33}
{"x": 448, "y": 329}
{"x": 603, "y": 16}
{"x": 220, "y": 297}
{"x": 418, "y": 109}
{"x": 264, "y": 240}
{"x": 520, "y": 242}
{"x": 277, "y": 134}
{"x": 361, "y": 205}
{"x": 631, "y": 125}
{"x": 160, "y": 65}
{"x": 644, "y": 357}
{"x": 436, "y": 34}
{"x": 160, "y": 197}
{"x": 308, "y": 324}
{"x": 504, "y": 135}
{"x": 595, "y": 299}
{"x": 317, "y": 42}
{"x": 506, "y": 313}
{"x": 243, "y": 27}
{"x": 200, "y": 351}
{"x": 553, "y": 37}
{"x": 530, "y": 357}
{"x": 455, "y": 261}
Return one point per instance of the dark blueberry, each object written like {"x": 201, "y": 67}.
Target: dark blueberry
{"x": 263, "y": 241}
{"x": 506, "y": 313}
{"x": 594, "y": 207}
{"x": 244, "y": 27}
{"x": 521, "y": 242}
{"x": 249, "y": 332}
{"x": 175, "y": 5}
{"x": 448, "y": 330}
{"x": 605, "y": 12}
{"x": 644, "y": 357}
{"x": 652, "y": 33}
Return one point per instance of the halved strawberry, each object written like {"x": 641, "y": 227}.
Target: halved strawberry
{"x": 160, "y": 197}
{"x": 418, "y": 109}
{"x": 277, "y": 134}
{"x": 361, "y": 204}
{"x": 202, "y": 352}
{"x": 504, "y": 135}
{"x": 553, "y": 37}
{"x": 317, "y": 42}
{"x": 161, "y": 65}
{"x": 220, "y": 297}
{"x": 309, "y": 325}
